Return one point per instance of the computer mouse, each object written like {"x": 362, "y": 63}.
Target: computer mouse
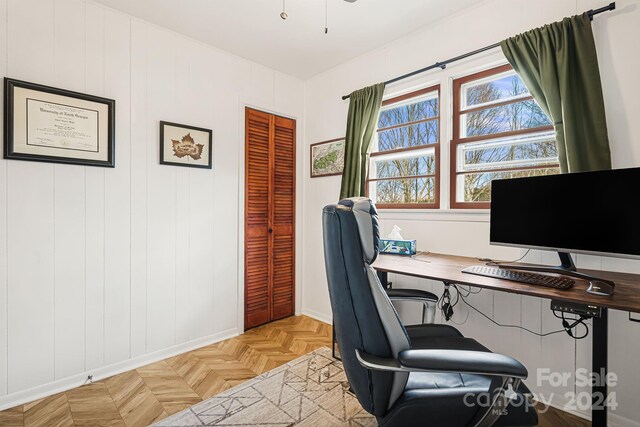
{"x": 598, "y": 287}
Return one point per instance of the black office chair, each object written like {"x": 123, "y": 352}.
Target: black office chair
{"x": 426, "y": 299}
{"x": 423, "y": 375}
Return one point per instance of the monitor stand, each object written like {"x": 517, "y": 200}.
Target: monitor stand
{"x": 597, "y": 285}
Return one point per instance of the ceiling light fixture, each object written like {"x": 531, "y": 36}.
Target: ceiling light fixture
{"x": 326, "y": 16}
{"x": 284, "y": 15}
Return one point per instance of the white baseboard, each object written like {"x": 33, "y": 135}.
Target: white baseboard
{"x": 64, "y": 384}
{"x": 561, "y": 406}
{"x": 615, "y": 420}
{"x": 318, "y": 316}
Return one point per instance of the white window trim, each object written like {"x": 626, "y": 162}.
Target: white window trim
{"x": 463, "y": 103}
{"x": 504, "y": 142}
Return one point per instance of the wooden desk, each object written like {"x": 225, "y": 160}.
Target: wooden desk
{"x": 448, "y": 269}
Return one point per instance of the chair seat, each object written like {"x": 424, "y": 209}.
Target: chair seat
{"x": 435, "y": 380}
{"x": 447, "y": 343}
{"x": 441, "y": 337}
{"x": 442, "y": 396}
{"x": 411, "y": 293}
{"x": 444, "y": 392}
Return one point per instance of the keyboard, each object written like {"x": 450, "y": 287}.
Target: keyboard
{"x": 521, "y": 276}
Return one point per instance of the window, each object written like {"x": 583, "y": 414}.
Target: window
{"x": 404, "y": 170}
{"x": 499, "y": 132}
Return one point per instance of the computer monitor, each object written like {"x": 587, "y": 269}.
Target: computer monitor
{"x": 590, "y": 212}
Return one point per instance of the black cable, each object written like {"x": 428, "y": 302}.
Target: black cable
{"x": 469, "y": 291}
{"x": 446, "y": 306}
{"x": 576, "y": 322}
{"x": 570, "y": 328}
{"x": 444, "y": 303}
{"x": 510, "y": 326}
{"x": 493, "y": 263}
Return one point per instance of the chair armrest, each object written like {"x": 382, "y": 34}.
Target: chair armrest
{"x": 471, "y": 362}
{"x": 411, "y": 295}
{"x": 460, "y": 361}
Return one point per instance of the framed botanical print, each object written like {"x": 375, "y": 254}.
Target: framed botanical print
{"x": 183, "y": 145}
{"x": 48, "y": 124}
{"x": 327, "y": 158}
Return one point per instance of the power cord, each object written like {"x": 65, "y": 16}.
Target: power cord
{"x": 509, "y": 326}
{"x": 415, "y": 257}
{"x": 468, "y": 290}
{"x": 576, "y": 321}
{"x": 494, "y": 263}
{"x": 446, "y": 303}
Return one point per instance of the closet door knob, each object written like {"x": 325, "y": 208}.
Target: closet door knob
{"x": 271, "y": 230}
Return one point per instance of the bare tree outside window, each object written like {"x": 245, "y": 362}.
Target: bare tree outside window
{"x": 499, "y": 132}
{"x": 496, "y": 117}
{"x": 407, "y": 174}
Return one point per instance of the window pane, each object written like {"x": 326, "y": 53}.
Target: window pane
{"x": 408, "y": 113}
{"x": 414, "y": 190}
{"x": 494, "y": 90}
{"x": 516, "y": 153}
{"x": 505, "y": 118}
{"x": 476, "y": 187}
{"x": 408, "y": 136}
{"x": 422, "y": 165}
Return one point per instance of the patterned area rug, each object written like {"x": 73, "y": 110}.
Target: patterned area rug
{"x": 311, "y": 390}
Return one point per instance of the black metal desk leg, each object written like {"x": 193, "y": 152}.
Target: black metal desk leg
{"x": 383, "y": 276}
{"x": 599, "y": 368}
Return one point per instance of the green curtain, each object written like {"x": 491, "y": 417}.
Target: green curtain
{"x": 559, "y": 66}
{"x": 362, "y": 122}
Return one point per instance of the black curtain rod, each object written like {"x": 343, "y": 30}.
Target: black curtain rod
{"x": 444, "y": 64}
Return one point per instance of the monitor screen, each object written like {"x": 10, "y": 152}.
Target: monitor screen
{"x": 589, "y": 212}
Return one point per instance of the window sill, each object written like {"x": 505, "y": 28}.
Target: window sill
{"x": 450, "y": 215}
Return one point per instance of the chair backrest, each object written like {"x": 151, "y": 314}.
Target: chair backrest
{"x": 363, "y": 315}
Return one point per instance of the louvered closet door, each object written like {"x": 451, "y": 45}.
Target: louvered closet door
{"x": 283, "y": 217}
{"x": 269, "y": 217}
{"x": 257, "y": 271}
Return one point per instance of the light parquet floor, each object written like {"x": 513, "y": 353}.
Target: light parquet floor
{"x": 155, "y": 391}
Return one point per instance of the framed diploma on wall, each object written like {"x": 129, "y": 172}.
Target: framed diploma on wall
{"x": 47, "y": 124}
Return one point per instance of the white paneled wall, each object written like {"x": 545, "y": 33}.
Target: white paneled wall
{"x": 103, "y": 269}
{"x": 467, "y": 233}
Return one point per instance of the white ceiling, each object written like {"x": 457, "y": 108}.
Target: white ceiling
{"x": 298, "y": 46}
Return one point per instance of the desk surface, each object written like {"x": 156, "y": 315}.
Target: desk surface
{"x": 448, "y": 268}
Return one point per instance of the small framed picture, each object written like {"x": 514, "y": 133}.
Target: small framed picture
{"x": 182, "y": 145}
{"x": 47, "y": 124}
{"x": 327, "y": 158}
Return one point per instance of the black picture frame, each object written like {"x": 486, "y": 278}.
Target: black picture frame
{"x": 187, "y": 129}
{"x": 10, "y": 151}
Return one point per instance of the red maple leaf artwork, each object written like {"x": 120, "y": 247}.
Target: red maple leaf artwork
{"x": 187, "y": 147}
